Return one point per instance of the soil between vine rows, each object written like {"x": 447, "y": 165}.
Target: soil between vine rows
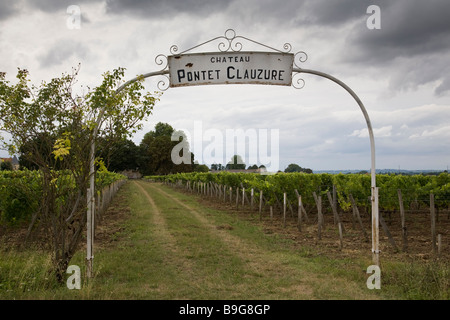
{"x": 418, "y": 225}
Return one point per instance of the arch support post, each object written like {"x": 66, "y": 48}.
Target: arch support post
{"x": 374, "y": 189}
{"x": 90, "y": 225}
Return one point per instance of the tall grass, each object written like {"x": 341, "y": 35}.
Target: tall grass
{"x": 418, "y": 280}
{"x": 24, "y": 271}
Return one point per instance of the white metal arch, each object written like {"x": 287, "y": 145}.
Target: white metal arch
{"x": 295, "y": 71}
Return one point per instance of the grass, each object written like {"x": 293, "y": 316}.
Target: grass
{"x": 418, "y": 281}
{"x": 170, "y": 247}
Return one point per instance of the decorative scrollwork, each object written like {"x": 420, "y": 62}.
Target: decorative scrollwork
{"x": 287, "y": 47}
{"x": 231, "y": 42}
{"x": 224, "y": 47}
{"x": 297, "y": 82}
{"x": 237, "y": 46}
{"x": 173, "y": 49}
{"x": 230, "y": 34}
{"x": 162, "y": 60}
{"x": 164, "y": 84}
{"x": 300, "y": 57}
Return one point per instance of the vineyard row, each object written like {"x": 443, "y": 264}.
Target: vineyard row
{"x": 415, "y": 190}
{"x": 21, "y": 191}
{"x": 240, "y": 192}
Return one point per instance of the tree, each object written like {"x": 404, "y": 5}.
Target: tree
{"x": 162, "y": 129}
{"x": 119, "y": 155}
{"x": 236, "y": 163}
{"x": 41, "y": 143}
{"x": 293, "y": 168}
{"x": 296, "y": 168}
{"x": 201, "y": 168}
{"x": 6, "y": 165}
{"x": 158, "y": 150}
{"x": 217, "y": 167}
{"x": 252, "y": 167}
{"x": 53, "y": 128}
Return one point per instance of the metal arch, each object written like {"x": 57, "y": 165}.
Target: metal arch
{"x": 374, "y": 197}
{"x": 296, "y": 70}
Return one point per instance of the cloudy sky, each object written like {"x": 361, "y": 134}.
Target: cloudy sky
{"x": 400, "y": 69}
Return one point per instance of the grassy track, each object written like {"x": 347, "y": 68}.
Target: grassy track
{"x": 177, "y": 249}
{"x": 172, "y": 247}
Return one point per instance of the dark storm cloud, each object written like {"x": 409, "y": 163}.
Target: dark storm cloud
{"x": 414, "y": 41}
{"x": 57, "y": 5}
{"x": 8, "y": 9}
{"x": 331, "y": 13}
{"x": 304, "y": 12}
{"x": 408, "y": 28}
{"x": 164, "y": 8}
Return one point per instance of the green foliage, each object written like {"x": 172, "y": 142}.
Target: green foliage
{"x": 236, "y": 163}
{"x": 217, "y": 167}
{"x": 6, "y": 165}
{"x": 105, "y": 178}
{"x": 21, "y": 191}
{"x": 119, "y": 155}
{"x": 155, "y": 151}
{"x": 296, "y": 168}
{"x": 53, "y": 129}
{"x": 49, "y": 122}
{"x": 201, "y": 168}
{"x": 415, "y": 188}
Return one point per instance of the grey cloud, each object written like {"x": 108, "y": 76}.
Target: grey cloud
{"x": 304, "y": 12}
{"x": 57, "y": 5}
{"x": 411, "y": 48}
{"x": 408, "y": 28}
{"x": 269, "y": 13}
{"x": 164, "y": 8}
{"x": 11, "y": 8}
{"x": 8, "y": 9}
{"x": 332, "y": 13}
{"x": 410, "y": 73}
{"x": 444, "y": 87}
{"x": 61, "y": 51}
{"x": 51, "y": 6}
{"x": 301, "y": 13}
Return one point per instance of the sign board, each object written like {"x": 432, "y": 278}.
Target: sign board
{"x": 231, "y": 68}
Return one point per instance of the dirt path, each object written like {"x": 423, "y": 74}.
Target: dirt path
{"x": 290, "y": 275}
{"x": 166, "y": 239}
{"x": 257, "y": 260}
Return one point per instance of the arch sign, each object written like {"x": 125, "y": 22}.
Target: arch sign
{"x": 231, "y": 68}
{"x": 231, "y": 65}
